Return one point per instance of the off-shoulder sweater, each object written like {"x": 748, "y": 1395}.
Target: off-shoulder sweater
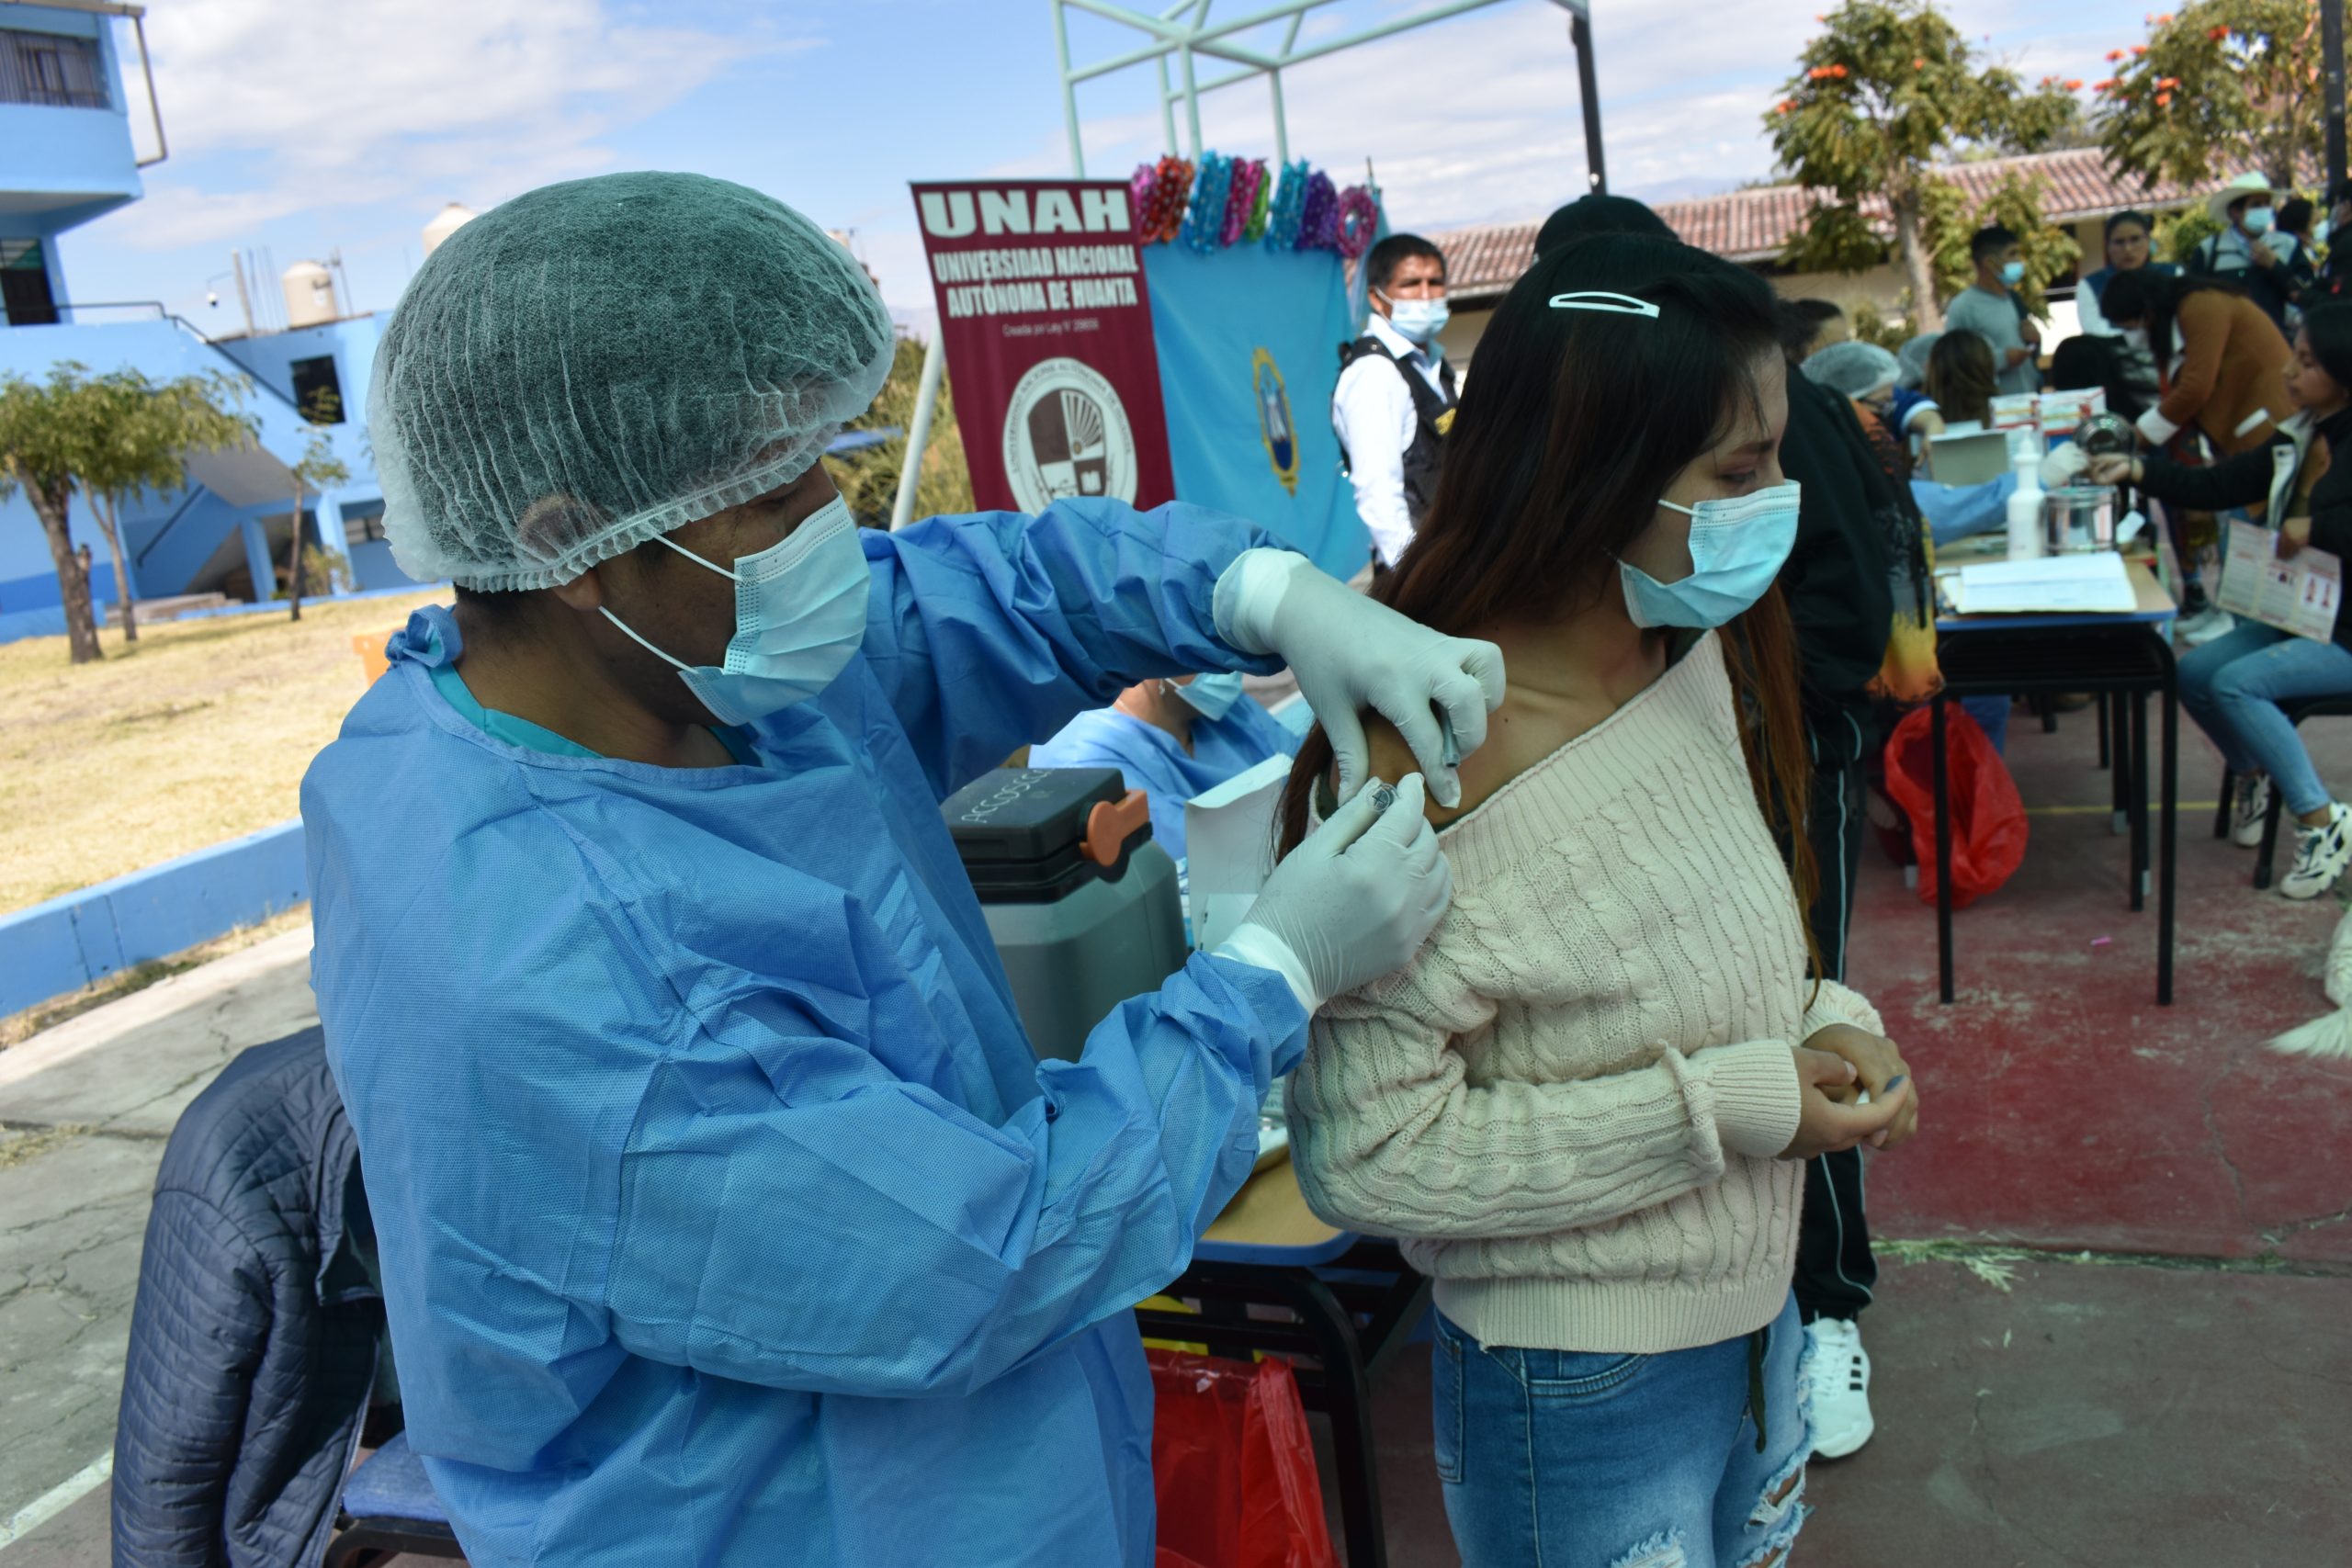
{"x": 1569, "y": 1105}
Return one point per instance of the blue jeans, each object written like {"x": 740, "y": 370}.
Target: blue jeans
{"x": 1557, "y": 1459}
{"x": 2233, "y": 687}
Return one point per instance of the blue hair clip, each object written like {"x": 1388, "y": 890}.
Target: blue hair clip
{"x": 1601, "y": 299}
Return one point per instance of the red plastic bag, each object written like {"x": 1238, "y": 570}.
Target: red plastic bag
{"x": 1988, "y": 817}
{"x": 1233, "y": 1466}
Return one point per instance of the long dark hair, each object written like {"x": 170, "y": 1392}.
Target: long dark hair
{"x": 2329, "y": 327}
{"x": 1572, "y": 423}
{"x": 1959, "y": 376}
{"x": 2154, "y": 299}
{"x": 2083, "y": 362}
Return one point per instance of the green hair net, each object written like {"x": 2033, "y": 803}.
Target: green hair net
{"x": 597, "y": 362}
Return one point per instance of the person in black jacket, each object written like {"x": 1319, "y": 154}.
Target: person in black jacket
{"x": 254, "y": 1337}
{"x": 1839, "y": 585}
{"x": 2232, "y": 685}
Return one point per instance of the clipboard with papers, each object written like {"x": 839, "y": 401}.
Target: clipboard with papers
{"x": 2087, "y": 584}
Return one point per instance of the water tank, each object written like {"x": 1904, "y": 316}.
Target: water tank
{"x": 309, "y": 295}
{"x": 451, "y": 219}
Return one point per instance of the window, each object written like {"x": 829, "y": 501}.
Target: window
{"x": 318, "y": 390}
{"x": 51, "y": 70}
{"x": 25, "y": 298}
{"x": 363, "y": 523}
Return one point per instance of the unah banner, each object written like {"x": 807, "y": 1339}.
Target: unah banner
{"x": 1047, "y": 321}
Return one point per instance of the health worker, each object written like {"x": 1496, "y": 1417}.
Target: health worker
{"x": 725, "y": 1214}
{"x": 1172, "y": 739}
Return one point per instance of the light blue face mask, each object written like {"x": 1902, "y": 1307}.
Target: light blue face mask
{"x": 799, "y": 613}
{"x": 1738, "y": 544}
{"x": 1419, "y": 319}
{"x": 2013, "y": 272}
{"x": 1211, "y": 696}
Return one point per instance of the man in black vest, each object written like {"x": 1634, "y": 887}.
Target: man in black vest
{"x": 1395, "y": 393}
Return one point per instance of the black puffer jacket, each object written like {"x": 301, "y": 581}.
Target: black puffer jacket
{"x": 1838, "y": 577}
{"x": 252, "y": 1342}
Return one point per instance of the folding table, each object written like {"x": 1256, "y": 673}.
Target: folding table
{"x": 2119, "y": 654}
{"x": 1355, "y": 1300}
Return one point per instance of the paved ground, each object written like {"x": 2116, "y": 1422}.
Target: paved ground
{"x": 2170, "y": 1413}
{"x": 85, "y": 1108}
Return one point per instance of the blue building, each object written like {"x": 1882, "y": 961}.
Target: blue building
{"x": 67, "y": 157}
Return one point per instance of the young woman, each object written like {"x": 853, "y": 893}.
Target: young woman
{"x": 1583, "y": 1105}
{"x": 2221, "y": 360}
{"x": 1960, "y": 379}
{"x": 2232, "y": 685}
{"x": 2127, "y": 250}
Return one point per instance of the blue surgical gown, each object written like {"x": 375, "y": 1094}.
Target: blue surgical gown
{"x": 1154, "y": 764}
{"x": 725, "y": 1215}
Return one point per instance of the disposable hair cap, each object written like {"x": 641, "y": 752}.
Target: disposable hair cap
{"x": 1852, "y": 369}
{"x": 595, "y": 362}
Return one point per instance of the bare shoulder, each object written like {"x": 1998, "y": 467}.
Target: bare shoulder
{"x": 1517, "y": 739}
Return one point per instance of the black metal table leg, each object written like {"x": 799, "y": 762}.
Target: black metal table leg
{"x": 2139, "y": 802}
{"x": 2102, "y": 730}
{"x": 2117, "y": 742}
{"x": 1348, "y": 1400}
{"x": 1943, "y": 852}
{"x": 2170, "y": 762}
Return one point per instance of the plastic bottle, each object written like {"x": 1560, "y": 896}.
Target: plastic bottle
{"x": 2025, "y": 510}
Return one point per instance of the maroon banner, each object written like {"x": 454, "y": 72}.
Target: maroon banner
{"x": 1048, "y": 328}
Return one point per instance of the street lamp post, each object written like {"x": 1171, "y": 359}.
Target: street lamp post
{"x": 2331, "y": 43}
{"x": 1587, "y": 89}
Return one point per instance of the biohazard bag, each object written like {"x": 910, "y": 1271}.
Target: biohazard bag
{"x": 1233, "y": 1466}
{"x": 1987, "y": 817}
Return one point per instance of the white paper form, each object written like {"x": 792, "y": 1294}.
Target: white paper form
{"x": 2298, "y": 594}
{"x": 2092, "y": 583}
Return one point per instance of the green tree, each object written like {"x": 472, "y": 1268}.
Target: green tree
{"x": 135, "y": 435}
{"x": 108, "y": 435}
{"x": 868, "y": 478}
{"x": 2221, "y": 86}
{"x": 320, "y": 471}
{"x": 1887, "y": 90}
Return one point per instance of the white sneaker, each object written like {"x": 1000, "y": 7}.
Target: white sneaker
{"x": 2320, "y": 855}
{"x": 1840, "y": 1387}
{"x": 2252, "y": 802}
{"x": 2205, "y": 626}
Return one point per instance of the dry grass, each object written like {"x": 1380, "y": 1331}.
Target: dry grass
{"x": 196, "y": 733}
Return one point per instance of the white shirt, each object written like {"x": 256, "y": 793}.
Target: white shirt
{"x": 1372, "y": 410}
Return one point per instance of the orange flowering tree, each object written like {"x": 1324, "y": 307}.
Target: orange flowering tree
{"x": 2222, "y": 86}
{"x": 1887, "y": 90}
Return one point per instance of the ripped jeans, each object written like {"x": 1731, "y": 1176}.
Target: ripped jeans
{"x": 1555, "y": 1459}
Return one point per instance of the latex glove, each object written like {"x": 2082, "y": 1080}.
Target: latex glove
{"x": 2064, "y": 464}
{"x": 1349, "y": 654}
{"x": 1352, "y": 903}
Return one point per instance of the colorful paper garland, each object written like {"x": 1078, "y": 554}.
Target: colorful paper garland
{"x": 1225, "y": 201}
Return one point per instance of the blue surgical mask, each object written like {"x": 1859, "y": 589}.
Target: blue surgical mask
{"x": 1419, "y": 319}
{"x": 1211, "y": 696}
{"x": 799, "y": 613}
{"x": 2258, "y": 220}
{"x": 2013, "y": 272}
{"x": 1738, "y": 544}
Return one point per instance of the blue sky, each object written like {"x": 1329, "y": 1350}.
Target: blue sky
{"x": 305, "y": 128}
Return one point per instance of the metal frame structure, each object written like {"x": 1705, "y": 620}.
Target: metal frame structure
{"x": 1184, "y": 31}
{"x": 137, "y": 17}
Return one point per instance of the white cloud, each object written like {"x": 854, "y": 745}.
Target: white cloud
{"x": 274, "y": 110}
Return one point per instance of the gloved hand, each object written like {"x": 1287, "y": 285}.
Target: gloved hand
{"x": 2063, "y": 466}
{"x": 1352, "y": 903}
{"x": 1350, "y": 654}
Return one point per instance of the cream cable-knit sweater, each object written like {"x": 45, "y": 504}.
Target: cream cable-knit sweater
{"x": 1569, "y": 1105}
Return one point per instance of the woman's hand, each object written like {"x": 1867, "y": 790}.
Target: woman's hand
{"x": 1880, "y": 1071}
{"x": 2114, "y": 468}
{"x": 1828, "y": 1123}
{"x": 2293, "y": 535}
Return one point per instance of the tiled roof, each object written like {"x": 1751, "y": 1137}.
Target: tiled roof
{"x": 1753, "y": 225}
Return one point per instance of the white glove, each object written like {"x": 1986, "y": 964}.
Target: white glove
{"x": 1353, "y": 902}
{"x": 1350, "y": 654}
{"x": 2063, "y": 466}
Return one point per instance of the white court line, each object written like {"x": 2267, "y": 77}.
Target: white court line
{"x": 56, "y": 1500}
